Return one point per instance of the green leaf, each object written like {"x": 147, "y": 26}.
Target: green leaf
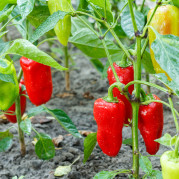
{"x": 101, "y": 6}
{"x": 25, "y": 48}
{"x": 145, "y": 164}
{"x": 4, "y": 46}
{"x": 45, "y": 148}
{"x": 47, "y": 25}
{"x": 77, "y": 24}
{"x": 25, "y": 6}
{"x": 89, "y": 144}
{"x": 91, "y": 45}
{"x": 167, "y": 140}
{"x": 38, "y": 16}
{"x": 156, "y": 174}
{"x": 127, "y": 141}
{"x": 35, "y": 111}
{"x": 18, "y": 22}
{"x": 166, "y": 50}
{"x": 3, "y": 3}
{"x": 97, "y": 64}
{"x": 6, "y": 12}
{"x": 105, "y": 175}
{"x": 26, "y": 126}
{"x": 7, "y": 78}
{"x": 64, "y": 121}
{"x": 5, "y": 140}
{"x": 170, "y": 84}
{"x": 82, "y": 5}
{"x": 127, "y": 25}
{"x": 147, "y": 62}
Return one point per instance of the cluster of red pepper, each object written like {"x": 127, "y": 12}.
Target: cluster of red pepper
{"x": 38, "y": 83}
{"x": 111, "y": 116}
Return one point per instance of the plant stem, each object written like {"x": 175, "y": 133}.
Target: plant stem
{"x": 67, "y": 73}
{"x": 46, "y": 40}
{"x": 148, "y": 80}
{"x": 145, "y": 83}
{"x": 151, "y": 17}
{"x": 119, "y": 43}
{"x": 142, "y": 6}
{"x": 114, "y": 85}
{"x": 174, "y": 114}
{"x": 136, "y": 103}
{"x": 144, "y": 46}
{"x": 21, "y": 134}
{"x": 20, "y": 75}
{"x": 176, "y": 147}
{"x": 86, "y": 14}
{"x": 19, "y": 119}
{"x": 135, "y": 109}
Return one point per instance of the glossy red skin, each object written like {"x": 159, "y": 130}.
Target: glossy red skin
{"x": 125, "y": 75}
{"x": 151, "y": 124}
{"x": 12, "y": 118}
{"x": 38, "y": 81}
{"x": 110, "y": 119}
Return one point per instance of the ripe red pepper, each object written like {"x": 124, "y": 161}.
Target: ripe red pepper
{"x": 110, "y": 119}
{"x": 151, "y": 124}
{"x": 11, "y": 110}
{"x": 38, "y": 81}
{"x": 125, "y": 76}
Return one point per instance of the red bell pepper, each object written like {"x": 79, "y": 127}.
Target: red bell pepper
{"x": 151, "y": 124}
{"x": 11, "y": 110}
{"x": 38, "y": 81}
{"x": 110, "y": 120}
{"x": 125, "y": 76}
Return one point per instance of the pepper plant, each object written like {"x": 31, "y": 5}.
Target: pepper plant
{"x": 122, "y": 32}
{"x": 37, "y": 85}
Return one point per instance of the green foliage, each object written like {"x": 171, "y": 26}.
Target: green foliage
{"x": 89, "y": 144}
{"x": 4, "y": 14}
{"x": 60, "y": 116}
{"x": 25, "y": 48}
{"x": 26, "y": 126}
{"x": 167, "y": 140}
{"x": 166, "y": 50}
{"x": 126, "y": 22}
{"x": 98, "y": 65}
{"x": 146, "y": 166}
{"x": 5, "y": 140}
{"x": 25, "y": 6}
{"x": 44, "y": 147}
{"x": 47, "y": 25}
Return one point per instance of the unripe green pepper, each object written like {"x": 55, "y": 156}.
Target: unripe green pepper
{"x": 63, "y": 27}
{"x": 170, "y": 165}
{"x": 8, "y": 91}
{"x": 165, "y": 21}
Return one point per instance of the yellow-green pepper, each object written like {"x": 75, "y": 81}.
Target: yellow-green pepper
{"x": 63, "y": 27}
{"x": 8, "y": 90}
{"x": 165, "y": 21}
{"x": 170, "y": 165}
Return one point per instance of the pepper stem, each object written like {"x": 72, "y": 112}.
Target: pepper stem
{"x": 19, "y": 119}
{"x": 21, "y": 134}
{"x": 110, "y": 90}
{"x": 67, "y": 73}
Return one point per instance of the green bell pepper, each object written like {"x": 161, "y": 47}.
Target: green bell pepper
{"x": 170, "y": 165}
{"x": 9, "y": 88}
